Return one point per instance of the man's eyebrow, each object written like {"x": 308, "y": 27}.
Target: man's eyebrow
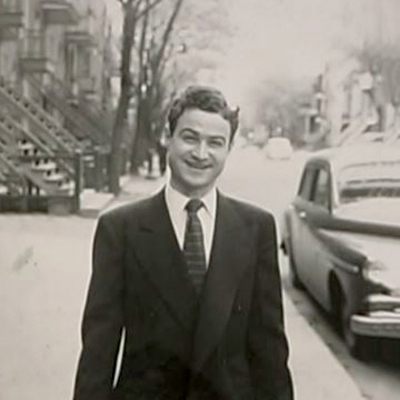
{"x": 191, "y": 130}
{"x": 194, "y": 131}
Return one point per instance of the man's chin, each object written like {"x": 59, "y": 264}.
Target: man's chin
{"x": 198, "y": 187}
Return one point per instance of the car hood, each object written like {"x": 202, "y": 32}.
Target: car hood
{"x": 372, "y": 228}
{"x": 375, "y": 249}
{"x": 378, "y": 210}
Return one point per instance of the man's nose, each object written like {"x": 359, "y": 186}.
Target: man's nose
{"x": 201, "y": 150}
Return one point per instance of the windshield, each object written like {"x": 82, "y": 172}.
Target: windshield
{"x": 369, "y": 179}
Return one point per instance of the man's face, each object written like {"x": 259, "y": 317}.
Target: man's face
{"x": 198, "y": 149}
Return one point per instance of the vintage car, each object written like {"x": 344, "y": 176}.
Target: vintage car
{"x": 342, "y": 237}
{"x": 279, "y": 148}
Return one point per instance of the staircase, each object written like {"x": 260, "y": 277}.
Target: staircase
{"x": 31, "y": 181}
{"x": 46, "y": 128}
{"x": 27, "y": 157}
{"x": 92, "y": 115}
{"x": 11, "y": 132}
{"x": 81, "y": 127}
{"x": 12, "y": 181}
{"x": 40, "y": 169}
{"x": 88, "y": 124}
{"x": 354, "y": 130}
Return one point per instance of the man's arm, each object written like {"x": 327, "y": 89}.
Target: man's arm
{"x": 268, "y": 347}
{"x": 103, "y": 316}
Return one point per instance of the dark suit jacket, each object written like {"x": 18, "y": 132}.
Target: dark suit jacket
{"x": 230, "y": 345}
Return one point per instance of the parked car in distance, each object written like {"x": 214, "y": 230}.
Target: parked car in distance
{"x": 342, "y": 237}
{"x": 279, "y": 148}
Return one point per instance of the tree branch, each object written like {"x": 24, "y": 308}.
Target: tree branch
{"x": 148, "y": 8}
{"x": 167, "y": 32}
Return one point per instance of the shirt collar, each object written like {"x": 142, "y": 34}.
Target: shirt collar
{"x": 176, "y": 201}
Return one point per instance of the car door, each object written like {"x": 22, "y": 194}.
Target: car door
{"x": 318, "y": 256}
{"x": 300, "y": 237}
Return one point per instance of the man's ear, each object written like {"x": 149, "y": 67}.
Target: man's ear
{"x": 168, "y": 137}
{"x": 230, "y": 145}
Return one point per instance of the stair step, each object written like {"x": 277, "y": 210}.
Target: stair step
{"x": 54, "y": 178}
{"x": 25, "y": 146}
{"x": 44, "y": 167}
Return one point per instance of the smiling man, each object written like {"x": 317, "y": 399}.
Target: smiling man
{"x": 191, "y": 276}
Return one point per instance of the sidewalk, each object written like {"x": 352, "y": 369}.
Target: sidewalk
{"x": 317, "y": 374}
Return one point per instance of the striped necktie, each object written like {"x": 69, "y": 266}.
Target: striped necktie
{"x": 193, "y": 246}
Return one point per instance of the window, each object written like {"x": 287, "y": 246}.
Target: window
{"x": 307, "y": 182}
{"x": 321, "y": 192}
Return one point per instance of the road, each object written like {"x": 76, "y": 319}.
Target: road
{"x": 39, "y": 339}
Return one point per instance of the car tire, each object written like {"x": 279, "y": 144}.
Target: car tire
{"x": 294, "y": 277}
{"x": 358, "y": 346}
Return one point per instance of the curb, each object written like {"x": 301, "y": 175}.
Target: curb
{"x": 317, "y": 374}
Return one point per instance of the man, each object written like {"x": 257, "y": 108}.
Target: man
{"x": 192, "y": 278}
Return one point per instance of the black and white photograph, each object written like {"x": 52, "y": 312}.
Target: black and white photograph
{"x": 199, "y": 199}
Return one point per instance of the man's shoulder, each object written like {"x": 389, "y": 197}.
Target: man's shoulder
{"x": 249, "y": 210}
{"x": 129, "y": 210}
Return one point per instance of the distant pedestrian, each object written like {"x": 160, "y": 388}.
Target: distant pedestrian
{"x": 150, "y": 164}
{"x": 192, "y": 277}
{"x": 162, "y": 155}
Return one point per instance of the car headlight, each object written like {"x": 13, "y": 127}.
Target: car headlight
{"x": 373, "y": 270}
{"x": 377, "y": 272}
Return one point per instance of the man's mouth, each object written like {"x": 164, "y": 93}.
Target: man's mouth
{"x": 198, "y": 166}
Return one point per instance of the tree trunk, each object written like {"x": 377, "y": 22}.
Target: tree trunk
{"x": 146, "y": 103}
{"x": 138, "y": 144}
{"x": 123, "y": 103}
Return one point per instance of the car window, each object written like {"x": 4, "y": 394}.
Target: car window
{"x": 361, "y": 181}
{"x": 321, "y": 192}
{"x": 307, "y": 182}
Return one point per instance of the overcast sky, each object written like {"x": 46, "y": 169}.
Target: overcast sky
{"x": 295, "y": 38}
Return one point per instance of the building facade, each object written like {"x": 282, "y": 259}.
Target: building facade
{"x": 57, "y": 62}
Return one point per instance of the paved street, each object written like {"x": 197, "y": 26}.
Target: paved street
{"x": 43, "y": 279}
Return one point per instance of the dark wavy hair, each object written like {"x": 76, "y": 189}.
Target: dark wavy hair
{"x": 206, "y": 99}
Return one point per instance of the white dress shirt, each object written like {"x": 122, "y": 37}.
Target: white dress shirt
{"x": 176, "y": 203}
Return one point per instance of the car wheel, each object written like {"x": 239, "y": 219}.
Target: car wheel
{"x": 294, "y": 277}
{"x": 357, "y": 345}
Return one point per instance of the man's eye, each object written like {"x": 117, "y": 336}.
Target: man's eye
{"x": 216, "y": 143}
{"x": 189, "y": 139}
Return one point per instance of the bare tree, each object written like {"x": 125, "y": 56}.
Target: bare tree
{"x": 133, "y": 11}
{"x": 153, "y": 51}
{"x": 173, "y": 46}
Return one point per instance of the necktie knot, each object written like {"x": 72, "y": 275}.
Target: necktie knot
{"x": 193, "y": 206}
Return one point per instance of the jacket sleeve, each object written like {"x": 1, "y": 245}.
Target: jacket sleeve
{"x": 103, "y": 315}
{"x": 267, "y": 343}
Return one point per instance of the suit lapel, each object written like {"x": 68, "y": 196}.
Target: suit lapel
{"x": 162, "y": 261}
{"x": 229, "y": 257}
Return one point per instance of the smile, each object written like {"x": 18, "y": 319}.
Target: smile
{"x": 200, "y": 167}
